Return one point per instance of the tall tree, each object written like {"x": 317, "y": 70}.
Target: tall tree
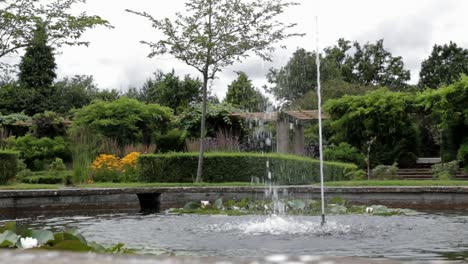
{"x": 214, "y": 34}
{"x": 168, "y": 89}
{"x": 372, "y": 64}
{"x": 444, "y": 66}
{"x": 18, "y": 20}
{"x": 243, "y": 94}
{"x": 37, "y": 66}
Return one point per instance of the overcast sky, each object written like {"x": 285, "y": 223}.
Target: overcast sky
{"x": 117, "y": 60}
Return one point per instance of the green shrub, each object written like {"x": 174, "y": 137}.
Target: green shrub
{"x": 359, "y": 175}
{"x": 385, "y": 172}
{"x": 8, "y": 165}
{"x": 39, "y": 152}
{"x": 174, "y": 140}
{"x": 239, "y": 167}
{"x": 44, "y": 179}
{"x": 445, "y": 171}
{"x": 344, "y": 152}
{"x": 463, "y": 155}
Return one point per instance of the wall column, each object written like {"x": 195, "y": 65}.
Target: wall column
{"x": 282, "y": 136}
{"x": 299, "y": 140}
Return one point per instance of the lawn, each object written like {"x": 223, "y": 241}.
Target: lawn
{"x": 395, "y": 183}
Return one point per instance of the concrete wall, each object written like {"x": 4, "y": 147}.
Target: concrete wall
{"x": 76, "y": 201}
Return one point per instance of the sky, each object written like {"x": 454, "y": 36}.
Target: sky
{"x": 117, "y": 60}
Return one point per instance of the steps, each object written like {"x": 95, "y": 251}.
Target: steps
{"x": 425, "y": 174}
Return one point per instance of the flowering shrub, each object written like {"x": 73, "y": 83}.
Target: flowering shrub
{"x": 109, "y": 168}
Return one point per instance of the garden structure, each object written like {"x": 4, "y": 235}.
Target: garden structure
{"x": 286, "y": 121}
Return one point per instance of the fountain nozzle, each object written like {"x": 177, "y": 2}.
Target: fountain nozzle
{"x": 323, "y": 220}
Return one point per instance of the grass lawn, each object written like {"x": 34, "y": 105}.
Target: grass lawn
{"x": 23, "y": 186}
{"x": 395, "y": 183}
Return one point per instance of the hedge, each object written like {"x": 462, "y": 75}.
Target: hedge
{"x": 8, "y": 165}
{"x": 239, "y": 167}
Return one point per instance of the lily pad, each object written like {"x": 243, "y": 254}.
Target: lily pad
{"x": 192, "y": 205}
{"x": 42, "y": 236}
{"x": 8, "y": 239}
{"x": 218, "y": 203}
{"x": 297, "y": 205}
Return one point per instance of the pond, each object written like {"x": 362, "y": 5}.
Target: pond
{"x": 420, "y": 237}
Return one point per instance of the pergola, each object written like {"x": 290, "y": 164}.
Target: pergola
{"x": 285, "y": 121}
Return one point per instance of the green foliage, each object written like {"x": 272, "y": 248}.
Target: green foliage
{"x": 462, "y": 155}
{"x": 57, "y": 165}
{"x": 242, "y": 94}
{"x": 125, "y": 120}
{"x": 449, "y": 108}
{"x": 346, "y": 153}
{"x": 8, "y": 165}
{"x": 11, "y": 124}
{"x": 173, "y": 140}
{"x": 167, "y": 89}
{"x": 37, "y": 67}
{"x": 73, "y": 93}
{"x": 18, "y": 20}
{"x": 240, "y": 167}
{"x": 444, "y": 66}
{"x": 45, "y": 179}
{"x": 370, "y": 66}
{"x": 48, "y": 124}
{"x": 64, "y": 240}
{"x": 39, "y": 152}
{"x": 217, "y": 118}
{"x": 446, "y": 170}
{"x": 381, "y": 114}
{"x": 385, "y": 172}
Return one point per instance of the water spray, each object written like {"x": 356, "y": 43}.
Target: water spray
{"x": 319, "y": 102}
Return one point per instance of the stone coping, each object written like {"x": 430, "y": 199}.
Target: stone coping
{"x": 227, "y": 189}
{"x": 57, "y": 257}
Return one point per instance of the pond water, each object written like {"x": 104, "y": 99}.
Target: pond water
{"x": 420, "y": 237}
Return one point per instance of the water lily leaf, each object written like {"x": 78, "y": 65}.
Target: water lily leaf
{"x": 98, "y": 248}
{"x": 72, "y": 245}
{"x": 11, "y": 226}
{"x": 297, "y": 205}
{"x": 337, "y": 209}
{"x": 42, "y": 236}
{"x": 218, "y": 203}
{"x": 192, "y": 205}
{"x": 8, "y": 239}
{"x": 68, "y": 235}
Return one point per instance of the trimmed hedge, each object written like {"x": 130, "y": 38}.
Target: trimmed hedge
{"x": 239, "y": 167}
{"x": 8, "y": 165}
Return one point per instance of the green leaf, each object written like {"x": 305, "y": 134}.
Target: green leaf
{"x": 192, "y": 205}
{"x": 72, "y": 245}
{"x": 218, "y": 203}
{"x": 8, "y": 239}
{"x": 297, "y": 204}
{"x": 42, "y": 236}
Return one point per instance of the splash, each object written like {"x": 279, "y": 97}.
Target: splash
{"x": 282, "y": 225}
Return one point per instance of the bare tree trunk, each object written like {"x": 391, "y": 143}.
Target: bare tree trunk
{"x": 202, "y": 130}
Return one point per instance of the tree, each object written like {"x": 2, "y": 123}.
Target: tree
{"x": 37, "y": 72}
{"x": 18, "y": 20}
{"x": 242, "y": 94}
{"x": 37, "y": 66}
{"x": 444, "y": 66}
{"x": 217, "y": 33}
{"x": 73, "y": 93}
{"x": 169, "y": 90}
{"x": 372, "y": 64}
{"x": 369, "y": 66}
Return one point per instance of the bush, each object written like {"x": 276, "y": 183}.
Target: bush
{"x": 463, "y": 155}
{"x": 125, "y": 120}
{"x": 46, "y": 178}
{"x": 8, "y": 165}
{"x": 39, "y": 152}
{"x": 109, "y": 168}
{"x": 49, "y": 124}
{"x": 239, "y": 167}
{"x": 445, "y": 171}
{"x": 173, "y": 140}
{"x": 385, "y": 172}
{"x": 344, "y": 152}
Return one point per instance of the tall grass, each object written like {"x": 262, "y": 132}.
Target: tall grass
{"x": 224, "y": 141}
{"x": 84, "y": 150}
